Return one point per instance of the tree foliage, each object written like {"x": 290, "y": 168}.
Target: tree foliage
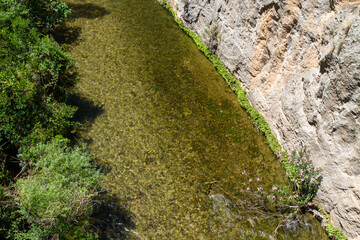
{"x": 45, "y": 14}
{"x": 35, "y": 74}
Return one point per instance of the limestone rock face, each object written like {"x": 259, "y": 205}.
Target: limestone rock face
{"x": 299, "y": 61}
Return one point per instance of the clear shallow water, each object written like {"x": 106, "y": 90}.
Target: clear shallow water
{"x": 165, "y": 127}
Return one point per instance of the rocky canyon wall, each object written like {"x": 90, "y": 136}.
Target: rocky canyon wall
{"x": 299, "y": 61}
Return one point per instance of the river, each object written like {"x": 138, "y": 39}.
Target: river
{"x": 165, "y": 128}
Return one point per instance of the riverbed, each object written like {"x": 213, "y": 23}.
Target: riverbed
{"x": 167, "y": 131}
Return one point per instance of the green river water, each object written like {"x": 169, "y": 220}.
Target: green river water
{"x": 168, "y": 132}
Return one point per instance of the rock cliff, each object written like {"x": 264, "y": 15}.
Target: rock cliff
{"x": 299, "y": 61}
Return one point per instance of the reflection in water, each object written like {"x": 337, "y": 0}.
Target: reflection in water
{"x": 167, "y": 129}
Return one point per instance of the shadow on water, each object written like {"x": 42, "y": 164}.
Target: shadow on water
{"x": 70, "y": 35}
{"x": 112, "y": 221}
{"x": 87, "y": 10}
{"x": 87, "y": 110}
{"x": 85, "y": 115}
{"x": 67, "y": 35}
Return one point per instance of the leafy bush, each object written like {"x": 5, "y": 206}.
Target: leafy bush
{"x": 303, "y": 174}
{"x": 45, "y": 14}
{"x": 35, "y": 74}
{"x": 58, "y": 190}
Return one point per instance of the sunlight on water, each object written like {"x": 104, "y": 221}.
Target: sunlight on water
{"x": 165, "y": 128}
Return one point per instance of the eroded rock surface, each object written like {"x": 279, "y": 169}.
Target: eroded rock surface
{"x": 299, "y": 61}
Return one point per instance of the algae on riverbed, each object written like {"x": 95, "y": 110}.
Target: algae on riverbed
{"x": 163, "y": 124}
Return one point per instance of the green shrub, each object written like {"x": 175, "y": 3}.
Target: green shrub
{"x": 45, "y": 14}
{"x": 35, "y": 74}
{"x": 303, "y": 174}
{"x": 58, "y": 190}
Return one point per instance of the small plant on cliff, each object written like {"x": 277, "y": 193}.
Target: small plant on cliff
{"x": 303, "y": 175}
{"x": 332, "y": 231}
{"x": 289, "y": 200}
